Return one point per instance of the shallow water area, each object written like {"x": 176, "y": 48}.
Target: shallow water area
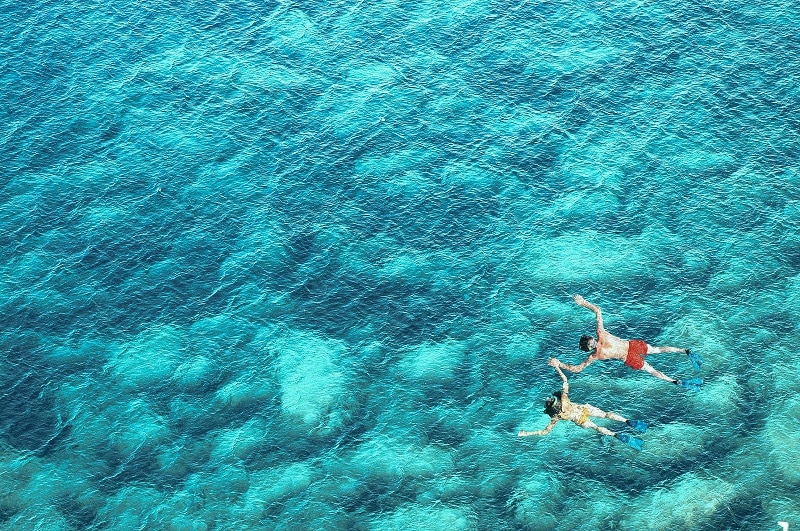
{"x": 301, "y": 265}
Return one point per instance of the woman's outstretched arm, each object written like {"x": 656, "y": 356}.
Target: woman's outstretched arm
{"x": 565, "y": 384}
{"x": 545, "y": 431}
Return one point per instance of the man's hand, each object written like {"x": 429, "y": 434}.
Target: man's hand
{"x": 553, "y": 362}
{"x": 579, "y": 300}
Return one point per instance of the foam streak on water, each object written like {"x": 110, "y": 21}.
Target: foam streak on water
{"x": 291, "y": 265}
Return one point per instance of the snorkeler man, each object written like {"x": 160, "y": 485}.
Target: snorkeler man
{"x": 560, "y": 407}
{"x": 632, "y": 352}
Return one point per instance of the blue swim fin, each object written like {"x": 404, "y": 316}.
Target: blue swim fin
{"x": 637, "y": 425}
{"x": 633, "y": 442}
{"x": 696, "y": 360}
{"x": 692, "y": 383}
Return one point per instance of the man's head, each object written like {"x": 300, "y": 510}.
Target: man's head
{"x": 587, "y": 343}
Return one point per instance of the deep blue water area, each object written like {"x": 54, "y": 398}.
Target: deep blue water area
{"x": 301, "y": 265}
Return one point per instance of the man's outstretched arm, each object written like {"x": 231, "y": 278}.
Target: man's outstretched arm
{"x": 596, "y": 309}
{"x": 573, "y": 368}
{"x": 545, "y": 431}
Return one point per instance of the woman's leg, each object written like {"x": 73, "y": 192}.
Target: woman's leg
{"x": 592, "y": 425}
{"x": 599, "y": 413}
{"x": 633, "y": 442}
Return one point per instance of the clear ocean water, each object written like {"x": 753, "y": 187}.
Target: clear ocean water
{"x": 300, "y": 265}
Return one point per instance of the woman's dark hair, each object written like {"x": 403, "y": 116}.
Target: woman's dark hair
{"x": 552, "y": 406}
{"x": 584, "y": 343}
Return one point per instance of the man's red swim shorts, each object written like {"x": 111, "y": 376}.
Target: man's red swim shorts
{"x": 637, "y": 349}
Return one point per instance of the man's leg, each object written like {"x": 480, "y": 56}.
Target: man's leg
{"x": 658, "y": 374}
{"x": 658, "y": 350}
{"x": 696, "y": 360}
{"x": 692, "y": 383}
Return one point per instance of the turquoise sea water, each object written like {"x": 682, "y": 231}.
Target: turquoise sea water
{"x": 297, "y": 265}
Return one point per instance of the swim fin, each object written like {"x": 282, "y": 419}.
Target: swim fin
{"x": 637, "y": 425}
{"x": 696, "y": 360}
{"x": 692, "y": 383}
{"x": 633, "y": 442}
